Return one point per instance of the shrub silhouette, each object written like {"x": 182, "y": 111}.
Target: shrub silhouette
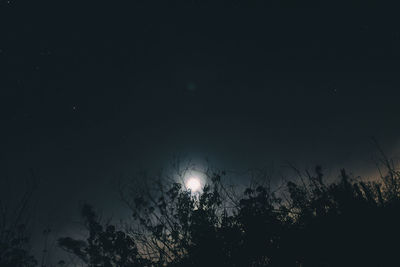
{"x": 349, "y": 222}
{"x": 105, "y": 246}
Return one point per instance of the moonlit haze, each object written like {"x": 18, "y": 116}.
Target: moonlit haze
{"x": 193, "y": 184}
{"x": 98, "y": 95}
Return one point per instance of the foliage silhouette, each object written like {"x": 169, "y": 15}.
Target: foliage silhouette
{"x": 105, "y": 246}
{"x": 307, "y": 223}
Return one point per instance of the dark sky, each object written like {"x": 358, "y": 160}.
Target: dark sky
{"x": 93, "y": 91}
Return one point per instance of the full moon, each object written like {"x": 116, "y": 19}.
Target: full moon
{"x": 193, "y": 184}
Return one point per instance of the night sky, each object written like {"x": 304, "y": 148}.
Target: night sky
{"x": 90, "y": 92}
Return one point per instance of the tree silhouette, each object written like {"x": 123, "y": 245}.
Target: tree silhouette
{"x": 105, "y": 246}
{"x": 308, "y": 222}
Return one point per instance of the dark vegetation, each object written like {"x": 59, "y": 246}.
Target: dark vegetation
{"x": 306, "y": 222}
{"x": 14, "y": 234}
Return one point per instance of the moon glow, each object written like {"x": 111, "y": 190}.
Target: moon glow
{"x": 193, "y": 184}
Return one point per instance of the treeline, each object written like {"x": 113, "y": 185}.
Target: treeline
{"x": 305, "y": 222}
